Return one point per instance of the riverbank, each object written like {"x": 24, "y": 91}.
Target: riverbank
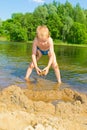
{"x": 24, "y": 109}
{"x": 3, "y": 38}
{"x": 59, "y": 42}
{"x": 56, "y": 42}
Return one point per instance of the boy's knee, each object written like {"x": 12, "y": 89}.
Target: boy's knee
{"x": 31, "y": 66}
{"x": 55, "y": 66}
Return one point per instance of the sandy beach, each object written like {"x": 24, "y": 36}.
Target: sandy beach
{"x": 24, "y": 109}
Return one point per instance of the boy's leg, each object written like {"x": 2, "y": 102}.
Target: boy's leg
{"x": 29, "y": 71}
{"x": 31, "y": 66}
{"x": 56, "y": 69}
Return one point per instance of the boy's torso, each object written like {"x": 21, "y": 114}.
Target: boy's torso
{"x": 43, "y": 45}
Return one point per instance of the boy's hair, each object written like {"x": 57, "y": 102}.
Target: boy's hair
{"x": 42, "y": 29}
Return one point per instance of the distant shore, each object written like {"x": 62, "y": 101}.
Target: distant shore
{"x": 3, "y": 38}
{"x": 56, "y": 42}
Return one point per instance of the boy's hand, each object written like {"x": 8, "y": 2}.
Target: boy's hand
{"x": 38, "y": 71}
{"x": 46, "y": 69}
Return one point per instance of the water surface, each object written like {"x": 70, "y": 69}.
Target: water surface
{"x": 15, "y": 58}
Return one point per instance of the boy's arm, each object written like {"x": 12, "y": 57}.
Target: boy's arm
{"x": 34, "y": 49}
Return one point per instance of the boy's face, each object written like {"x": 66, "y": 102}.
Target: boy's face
{"x": 43, "y": 36}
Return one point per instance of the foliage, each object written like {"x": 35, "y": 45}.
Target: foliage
{"x": 65, "y": 22}
{"x": 78, "y": 33}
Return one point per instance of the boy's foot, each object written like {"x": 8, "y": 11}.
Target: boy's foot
{"x": 27, "y": 79}
{"x": 59, "y": 82}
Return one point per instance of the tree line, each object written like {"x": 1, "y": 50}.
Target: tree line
{"x": 65, "y": 22}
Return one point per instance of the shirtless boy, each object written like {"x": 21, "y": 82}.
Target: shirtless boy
{"x": 43, "y": 45}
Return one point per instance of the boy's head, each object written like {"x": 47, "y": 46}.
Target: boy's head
{"x": 42, "y": 33}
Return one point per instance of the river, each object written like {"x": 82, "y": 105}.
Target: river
{"x": 15, "y": 58}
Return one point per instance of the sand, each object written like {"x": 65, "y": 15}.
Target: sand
{"x": 24, "y": 109}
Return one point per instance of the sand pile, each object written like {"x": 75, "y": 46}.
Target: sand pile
{"x": 24, "y": 109}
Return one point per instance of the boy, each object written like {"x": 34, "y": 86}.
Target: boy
{"x": 43, "y": 45}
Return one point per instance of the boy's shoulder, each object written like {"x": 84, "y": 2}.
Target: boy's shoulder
{"x": 50, "y": 39}
{"x": 35, "y": 40}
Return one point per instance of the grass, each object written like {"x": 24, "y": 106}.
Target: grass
{"x": 2, "y": 38}
{"x": 59, "y": 42}
{"x": 56, "y": 42}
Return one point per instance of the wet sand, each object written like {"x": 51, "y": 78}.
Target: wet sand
{"x": 28, "y": 109}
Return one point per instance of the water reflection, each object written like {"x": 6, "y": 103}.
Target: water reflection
{"x": 42, "y": 84}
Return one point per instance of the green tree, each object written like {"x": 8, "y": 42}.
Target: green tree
{"x": 18, "y": 33}
{"x": 51, "y": 9}
{"x": 85, "y": 12}
{"x": 68, "y": 22}
{"x": 78, "y": 34}
{"x": 54, "y": 25}
{"x": 0, "y": 22}
{"x": 40, "y": 14}
{"x": 14, "y": 31}
{"x": 1, "y": 29}
{"x": 17, "y": 17}
{"x": 55, "y": 3}
{"x": 30, "y": 25}
{"x": 61, "y": 10}
{"x": 79, "y": 15}
{"x": 69, "y": 9}
{"x": 7, "y": 28}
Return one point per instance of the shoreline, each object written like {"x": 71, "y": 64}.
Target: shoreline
{"x": 55, "y": 42}
{"x": 21, "y": 109}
